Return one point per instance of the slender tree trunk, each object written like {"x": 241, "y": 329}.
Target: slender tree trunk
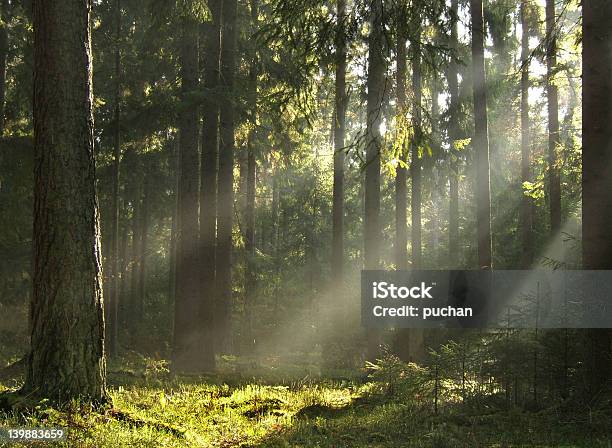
{"x": 337, "y": 259}
{"x": 415, "y": 162}
{"x": 597, "y": 167}
{"x": 208, "y": 189}
{"x": 135, "y": 262}
{"x": 376, "y": 87}
{"x": 401, "y": 190}
{"x": 66, "y": 360}
{"x": 174, "y": 229}
{"x": 143, "y": 249}
{"x": 4, "y": 48}
{"x": 113, "y": 298}
{"x": 554, "y": 182}
{"x": 250, "y": 277}
{"x": 226, "y": 179}
{"x": 453, "y": 132}
{"x": 433, "y": 170}
{"x": 526, "y": 203}
{"x": 481, "y": 138}
{"x": 187, "y": 349}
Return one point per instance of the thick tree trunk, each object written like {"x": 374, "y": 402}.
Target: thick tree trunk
{"x": 415, "y": 162}
{"x": 526, "y": 203}
{"x": 187, "y": 350}
{"x": 554, "y": 182}
{"x": 401, "y": 189}
{"x": 226, "y": 180}
{"x": 481, "y": 138}
{"x": 597, "y": 166}
{"x": 67, "y": 318}
{"x": 208, "y": 188}
{"x": 376, "y": 87}
{"x": 337, "y": 257}
{"x": 113, "y": 298}
{"x": 453, "y": 133}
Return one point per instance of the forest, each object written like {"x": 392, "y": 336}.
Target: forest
{"x": 191, "y": 189}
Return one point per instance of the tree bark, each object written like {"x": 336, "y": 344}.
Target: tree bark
{"x": 526, "y": 203}
{"x": 337, "y": 258}
{"x": 597, "y": 166}
{"x": 4, "y": 48}
{"x": 226, "y": 179}
{"x": 249, "y": 241}
{"x": 143, "y": 249}
{"x": 401, "y": 189}
{"x": 187, "y": 350}
{"x": 208, "y": 189}
{"x": 453, "y": 132}
{"x": 67, "y": 315}
{"x": 376, "y": 87}
{"x": 481, "y": 138}
{"x": 415, "y": 162}
{"x": 554, "y": 182}
{"x": 113, "y": 299}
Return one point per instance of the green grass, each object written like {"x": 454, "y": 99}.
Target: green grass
{"x": 151, "y": 408}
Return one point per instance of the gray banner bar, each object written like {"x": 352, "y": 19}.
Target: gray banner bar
{"x": 486, "y": 299}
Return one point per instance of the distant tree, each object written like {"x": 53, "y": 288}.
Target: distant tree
{"x": 4, "y": 49}
{"x": 188, "y": 354}
{"x": 401, "y": 190}
{"x": 554, "y": 182}
{"x": 376, "y": 88}
{"x": 66, "y": 359}
{"x": 113, "y": 298}
{"x": 481, "y": 138}
{"x": 416, "y": 146}
{"x": 526, "y": 214}
{"x": 339, "y": 126}
{"x": 249, "y": 240}
{"x": 208, "y": 187}
{"x": 226, "y": 178}
{"x": 453, "y": 134}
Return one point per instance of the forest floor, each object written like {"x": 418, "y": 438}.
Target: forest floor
{"x": 293, "y": 407}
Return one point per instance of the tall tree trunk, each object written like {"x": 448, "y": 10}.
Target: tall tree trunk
{"x": 453, "y": 133}
{"x": 208, "y": 188}
{"x": 554, "y": 182}
{"x": 526, "y": 203}
{"x": 376, "y": 87}
{"x": 135, "y": 252}
{"x": 187, "y": 350}
{"x": 113, "y": 298}
{"x": 249, "y": 241}
{"x": 66, "y": 360}
{"x": 143, "y": 249}
{"x": 4, "y": 48}
{"x": 226, "y": 179}
{"x": 401, "y": 190}
{"x": 337, "y": 258}
{"x": 481, "y": 139}
{"x": 174, "y": 229}
{"x": 433, "y": 169}
{"x": 415, "y": 162}
{"x": 597, "y": 166}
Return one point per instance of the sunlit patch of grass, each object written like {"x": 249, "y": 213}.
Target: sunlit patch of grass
{"x": 156, "y": 409}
